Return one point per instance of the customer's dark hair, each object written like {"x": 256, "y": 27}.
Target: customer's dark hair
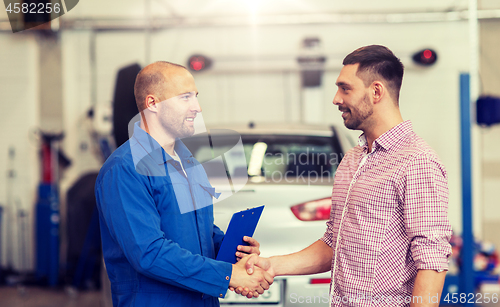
{"x": 377, "y": 62}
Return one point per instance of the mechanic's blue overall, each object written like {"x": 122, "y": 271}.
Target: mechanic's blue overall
{"x": 159, "y": 245}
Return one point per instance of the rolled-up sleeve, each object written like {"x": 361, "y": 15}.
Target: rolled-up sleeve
{"x": 426, "y": 212}
{"x": 327, "y": 237}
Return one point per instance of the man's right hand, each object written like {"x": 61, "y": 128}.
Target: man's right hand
{"x": 255, "y": 283}
{"x": 254, "y": 263}
{"x": 316, "y": 258}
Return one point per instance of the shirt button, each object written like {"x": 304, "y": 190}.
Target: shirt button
{"x": 227, "y": 277}
{"x": 220, "y": 295}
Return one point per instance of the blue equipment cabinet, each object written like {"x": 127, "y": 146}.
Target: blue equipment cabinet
{"x": 47, "y": 234}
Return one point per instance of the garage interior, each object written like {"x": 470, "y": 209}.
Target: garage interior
{"x": 58, "y": 82}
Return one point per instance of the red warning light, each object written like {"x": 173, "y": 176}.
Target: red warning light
{"x": 198, "y": 62}
{"x": 425, "y": 57}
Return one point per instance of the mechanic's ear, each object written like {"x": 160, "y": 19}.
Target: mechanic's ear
{"x": 151, "y": 103}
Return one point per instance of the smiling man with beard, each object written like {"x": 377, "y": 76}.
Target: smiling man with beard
{"x": 387, "y": 239}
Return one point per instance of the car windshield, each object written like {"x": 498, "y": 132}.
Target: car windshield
{"x": 272, "y": 158}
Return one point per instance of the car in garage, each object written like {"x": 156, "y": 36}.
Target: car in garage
{"x": 290, "y": 170}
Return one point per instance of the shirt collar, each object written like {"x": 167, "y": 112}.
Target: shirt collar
{"x": 389, "y": 138}
{"x": 181, "y": 150}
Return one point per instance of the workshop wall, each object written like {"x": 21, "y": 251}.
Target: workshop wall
{"x": 430, "y": 96}
{"x": 19, "y": 168}
{"x": 490, "y": 81}
{"x": 255, "y": 77}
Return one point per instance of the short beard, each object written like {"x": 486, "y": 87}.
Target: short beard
{"x": 364, "y": 111}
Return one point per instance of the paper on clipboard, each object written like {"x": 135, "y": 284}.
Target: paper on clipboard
{"x": 242, "y": 224}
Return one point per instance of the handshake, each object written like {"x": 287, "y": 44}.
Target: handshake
{"x": 251, "y": 275}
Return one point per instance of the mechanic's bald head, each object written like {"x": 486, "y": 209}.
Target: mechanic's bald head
{"x": 155, "y": 79}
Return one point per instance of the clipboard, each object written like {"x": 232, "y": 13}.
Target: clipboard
{"x": 242, "y": 224}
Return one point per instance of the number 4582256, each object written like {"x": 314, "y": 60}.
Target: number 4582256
{"x": 33, "y": 8}
{"x": 474, "y": 298}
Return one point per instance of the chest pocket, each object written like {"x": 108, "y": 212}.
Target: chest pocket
{"x": 204, "y": 194}
{"x": 194, "y": 192}
{"x": 193, "y": 195}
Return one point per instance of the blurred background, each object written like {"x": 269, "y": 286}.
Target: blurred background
{"x": 273, "y": 61}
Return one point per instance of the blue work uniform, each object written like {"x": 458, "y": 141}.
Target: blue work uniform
{"x": 157, "y": 227}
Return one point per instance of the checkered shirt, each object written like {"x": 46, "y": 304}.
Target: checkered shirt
{"x": 389, "y": 218}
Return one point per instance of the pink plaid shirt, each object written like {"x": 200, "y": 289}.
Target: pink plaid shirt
{"x": 388, "y": 219}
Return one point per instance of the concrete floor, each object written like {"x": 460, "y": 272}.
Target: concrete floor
{"x": 47, "y": 297}
{"x": 22, "y": 296}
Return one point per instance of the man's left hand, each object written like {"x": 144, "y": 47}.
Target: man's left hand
{"x": 243, "y": 250}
